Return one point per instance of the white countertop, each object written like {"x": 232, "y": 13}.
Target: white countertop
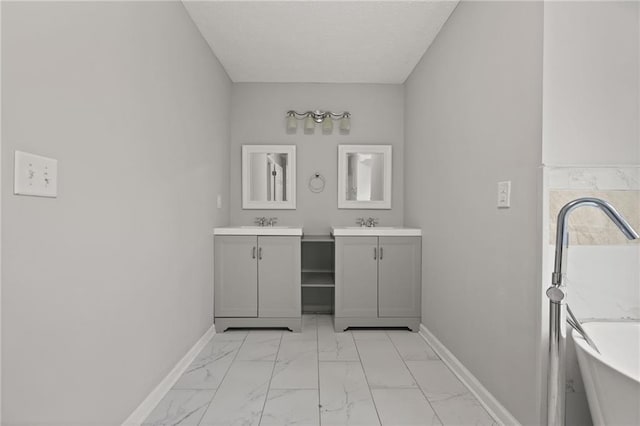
{"x": 259, "y": 230}
{"x": 336, "y": 231}
{"x": 375, "y": 231}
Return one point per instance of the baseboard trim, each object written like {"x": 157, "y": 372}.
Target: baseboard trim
{"x": 146, "y": 407}
{"x": 488, "y": 401}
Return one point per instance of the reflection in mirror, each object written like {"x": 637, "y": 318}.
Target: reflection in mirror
{"x": 268, "y": 176}
{"x": 365, "y": 176}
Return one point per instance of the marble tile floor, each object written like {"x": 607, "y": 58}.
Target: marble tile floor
{"x": 318, "y": 377}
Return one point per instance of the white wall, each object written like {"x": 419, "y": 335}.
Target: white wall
{"x": 473, "y": 117}
{"x": 591, "y": 83}
{"x": 107, "y": 286}
{"x": 258, "y": 117}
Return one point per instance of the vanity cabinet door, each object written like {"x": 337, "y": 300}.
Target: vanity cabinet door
{"x": 356, "y": 270}
{"x": 235, "y": 276}
{"x": 279, "y": 276}
{"x": 399, "y": 282}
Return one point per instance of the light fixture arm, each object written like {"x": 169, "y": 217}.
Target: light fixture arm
{"x": 311, "y": 118}
{"x": 318, "y": 115}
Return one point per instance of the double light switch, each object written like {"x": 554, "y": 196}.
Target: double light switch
{"x": 35, "y": 175}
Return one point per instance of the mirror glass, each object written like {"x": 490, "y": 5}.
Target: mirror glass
{"x": 268, "y": 173}
{"x": 268, "y": 176}
{"x": 364, "y": 176}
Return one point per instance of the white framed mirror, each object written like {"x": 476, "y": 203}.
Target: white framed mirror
{"x": 268, "y": 177}
{"x": 364, "y": 176}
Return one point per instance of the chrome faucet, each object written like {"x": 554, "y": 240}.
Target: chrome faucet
{"x": 369, "y": 222}
{"x": 272, "y": 221}
{"x": 558, "y": 304}
{"x": 260, "y": 221}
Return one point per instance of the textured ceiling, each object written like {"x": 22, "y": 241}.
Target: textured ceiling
{"x": 319, "y": 41}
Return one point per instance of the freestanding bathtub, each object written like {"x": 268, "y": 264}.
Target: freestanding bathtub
{"x": 611, "y": 377}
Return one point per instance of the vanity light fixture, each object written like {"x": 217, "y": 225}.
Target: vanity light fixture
{"x": 311, "y": 118}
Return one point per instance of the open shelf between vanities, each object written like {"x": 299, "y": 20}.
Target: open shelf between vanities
{"x": 318, "y": 279}
{"x": 318, "y": 275}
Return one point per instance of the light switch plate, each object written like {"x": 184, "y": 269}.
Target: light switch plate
{"x": 35, "y": 175}
{"x": 504, "y": 194}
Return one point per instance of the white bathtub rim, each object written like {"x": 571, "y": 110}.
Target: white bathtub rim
{"x": 585, "y": 347}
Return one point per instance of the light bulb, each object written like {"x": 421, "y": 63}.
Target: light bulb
{"x": 292, "y": 124}
{"x": 327, "y": 124}
{"x": 345, "y": 124}
{"x": 309, "y": 124}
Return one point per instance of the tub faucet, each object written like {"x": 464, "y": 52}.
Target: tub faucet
{"x": 558, "y": 304}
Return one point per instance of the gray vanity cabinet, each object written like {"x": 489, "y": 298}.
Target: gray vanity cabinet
{"x": 399, "y": 276}
{"x": 356, "y": 277}
{"x": 236, "y": 271}
{"x": 257, "y": 281}
{"x": 378, "y": 281}
{"x": 279, "y": 291}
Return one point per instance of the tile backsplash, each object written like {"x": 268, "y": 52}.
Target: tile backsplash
{"x": 590, "y": 226}
{"x": 594, "y": 178}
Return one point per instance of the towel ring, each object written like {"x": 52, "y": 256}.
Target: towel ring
{"x": 317, "y": 183}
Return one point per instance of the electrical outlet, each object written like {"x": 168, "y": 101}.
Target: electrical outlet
{"x": 504, "y": 194}
{"x": 35, "y": 175}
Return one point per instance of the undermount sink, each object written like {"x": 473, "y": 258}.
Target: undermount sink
{"x": 258, "y": 230}
{"x": 379, "y": 231}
